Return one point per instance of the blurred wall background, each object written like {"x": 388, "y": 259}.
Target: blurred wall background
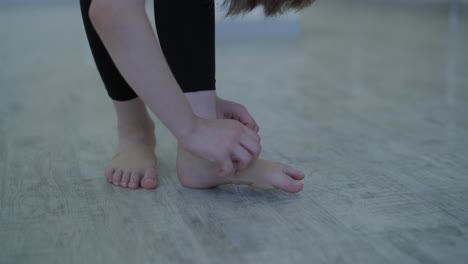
{"x": 254, "y": 25}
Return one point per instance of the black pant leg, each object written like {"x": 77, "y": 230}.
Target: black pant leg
{"x": 186, "y": 31}
{"x": 116, "y": 86}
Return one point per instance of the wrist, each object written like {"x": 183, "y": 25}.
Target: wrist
{"x": 187, "y": 129}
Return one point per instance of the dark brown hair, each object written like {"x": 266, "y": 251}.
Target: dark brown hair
{"x": 270, "y": 7}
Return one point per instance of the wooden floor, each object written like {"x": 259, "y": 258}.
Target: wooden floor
{"x": 372, "y": 104}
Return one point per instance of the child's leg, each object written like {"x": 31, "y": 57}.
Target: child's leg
{"x": 194, "y": 172}
{"x": 116, "y": 86}
{"x": 134, "y": 163}
{"x": 186, "y": 34}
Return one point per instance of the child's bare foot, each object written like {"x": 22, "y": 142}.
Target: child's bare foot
{"x": 197, "y": 173}
{"x": 194, "y": 172}
{"x": 134, "y": 163}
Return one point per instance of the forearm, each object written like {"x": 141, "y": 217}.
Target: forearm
{"x": 127, "y": 34}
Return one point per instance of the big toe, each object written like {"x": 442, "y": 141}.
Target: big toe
{"x": 284, "y": 182}
{"x": 150, "y": 179}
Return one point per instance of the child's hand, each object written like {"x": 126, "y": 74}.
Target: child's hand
{"x": 230, "y": 110}
{"x": 227, "y": 143}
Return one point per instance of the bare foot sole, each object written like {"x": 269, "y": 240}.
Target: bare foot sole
{"x": 196, "y": 173}
{"x": 134, "y": 164}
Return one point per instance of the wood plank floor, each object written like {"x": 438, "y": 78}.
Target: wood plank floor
{"x": 372, "y": 103}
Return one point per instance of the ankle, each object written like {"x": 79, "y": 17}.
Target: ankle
{"x": 138, "y": 130}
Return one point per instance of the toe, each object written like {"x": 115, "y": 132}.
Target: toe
{"x": 149, "y": 180}
{"x": 116, "y": 177}
{"x": 134, "y": 180}
{"x": 293, "y": 173}
{"x": 125, "y": 179}
{"x": 109, "y": 173}
{"x": 286, "y": 183}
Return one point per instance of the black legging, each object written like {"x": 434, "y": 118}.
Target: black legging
{"x": 186, "y": 32}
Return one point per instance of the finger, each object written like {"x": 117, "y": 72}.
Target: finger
{"x": 251, "y": 146}
{"x": 226, "y": 168}
{"x": 256, "y": 128}
{"x": 249, "y": 132}
{"x": 246, "y": 118}
{"x": 242, "y": 156}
